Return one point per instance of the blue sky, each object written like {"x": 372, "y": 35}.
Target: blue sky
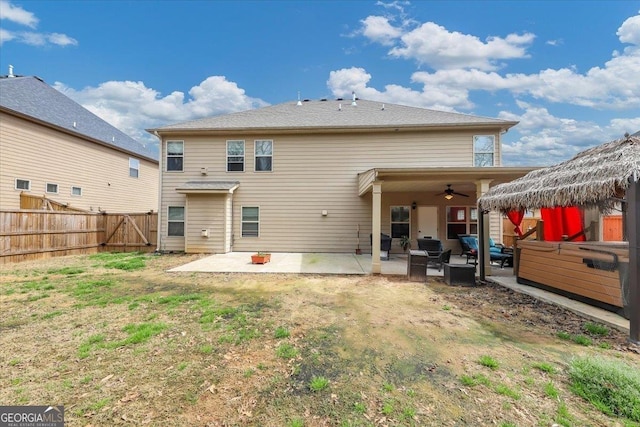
{"x": 568, "y": 71}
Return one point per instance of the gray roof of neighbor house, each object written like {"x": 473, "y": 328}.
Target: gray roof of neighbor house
{"x": 335, "y": 115}
{"x": 30, "y": 96}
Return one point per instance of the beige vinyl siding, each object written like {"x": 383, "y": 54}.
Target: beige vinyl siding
{"x": 205, "y": 212}
{"x": 41, "y": 154}
{"x": 312, "y": 173}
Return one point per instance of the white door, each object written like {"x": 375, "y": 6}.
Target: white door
{"x": 428, "y": 221}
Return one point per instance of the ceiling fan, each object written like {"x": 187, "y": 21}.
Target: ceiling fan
{"x": 449, "y": 192}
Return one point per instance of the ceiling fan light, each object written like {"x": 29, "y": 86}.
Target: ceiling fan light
{"x": 448, "y": 196}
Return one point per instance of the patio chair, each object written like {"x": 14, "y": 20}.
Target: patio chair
{"x": 469, "y": 245}
{"x": 432, "y": 246}
{"x": 444, "y": 258}
{"x": 385, "y": 245}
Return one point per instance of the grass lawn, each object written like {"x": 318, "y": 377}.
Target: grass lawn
{"x": 118, "y": 340}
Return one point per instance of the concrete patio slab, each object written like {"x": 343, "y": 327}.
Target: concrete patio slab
{"x": 306, "y": 263}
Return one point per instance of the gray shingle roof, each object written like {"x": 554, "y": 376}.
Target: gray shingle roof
{"x": 32, "y": 97}
{"x": 338, "y": 114}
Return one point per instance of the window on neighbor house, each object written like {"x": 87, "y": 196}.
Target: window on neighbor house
{"x": 134, "y": 167}
{"x": 52, "y": 188}
{"x": 175, "y": 221}
{"x": 23, "y": 184}
{"x": 76, "y": 191}
{"x": 483, "y": 150}
{"x": 235, "y": 156}
{"x": 250, "y": 221}
{"x": 264, "y": 155}
{"x": 461, "y": 220}
{"x": 175, "y": 156}
{"x": 400, "y": 221}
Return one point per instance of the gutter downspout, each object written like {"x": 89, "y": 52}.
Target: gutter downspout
{"x": 160, "y": 169}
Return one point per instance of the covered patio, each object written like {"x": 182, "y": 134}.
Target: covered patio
{"x": 423, "y": 188}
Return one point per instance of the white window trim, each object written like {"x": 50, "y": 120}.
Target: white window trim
{"x": 244, "y": 155}
{"x": 76, "y": 195}
{"x": 15, "y": 184}
{"x": 137, "y": 166}
{"x": 46, "y": 188}
{"x": 166, "y": 156}
{"x": 493, "y": 152}
{"x": 242, "y": 221}
{"x": 184, "y": 222}
{"x": 255, "y": 155}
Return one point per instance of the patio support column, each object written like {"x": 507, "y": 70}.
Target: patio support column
{"x": 633, "y": 229}
{"x": 482, "y": 186}
{"x": 376, "y": 212}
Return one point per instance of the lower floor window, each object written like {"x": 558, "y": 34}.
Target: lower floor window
{"x": 176, "y": 221}
{"x": 23, "y": 184}
{"x": 52, "y": 188}
{"x": 400, "y": 221}
{"x": 461, "y": 220}
{"x": 250, "y": 221}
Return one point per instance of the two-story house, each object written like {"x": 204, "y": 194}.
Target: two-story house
{"x": 322, "y": 176}
{"x": 51, "y": 146}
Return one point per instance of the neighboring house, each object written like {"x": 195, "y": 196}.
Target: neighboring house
{"x": 52, "y": 146}
{"x": 321, "y": 176}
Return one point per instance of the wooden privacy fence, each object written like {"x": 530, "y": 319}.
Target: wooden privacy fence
{"x": 34, "y": 234}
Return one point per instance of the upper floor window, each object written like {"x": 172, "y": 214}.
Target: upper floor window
{"x": 52, "y": 188}
{"x": 134, "y": 167}
{"x": 175, "y": 221}
{"x": 483, "y": 150}
{"x": 76, "y": 191}
{"x": 264, "y": 155}
{"x": 235, "y": 156}
{"x": 175, "y": 155}
{"x": 400, "y": 221}
{"x": 23, "y": 184}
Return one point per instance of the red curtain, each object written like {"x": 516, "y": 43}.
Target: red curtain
{"x": 562, "y": 221}
{"x": 516, "y": 219}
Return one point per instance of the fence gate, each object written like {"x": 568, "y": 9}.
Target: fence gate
{"x": 130, "y": 232}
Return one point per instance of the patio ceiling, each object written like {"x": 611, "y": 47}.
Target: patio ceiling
{"x": 436, "y": 179}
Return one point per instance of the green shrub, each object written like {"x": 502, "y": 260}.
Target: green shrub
{"x": 612, "y": 386}
{"x": 596, "y": 329}
{"x": 488, "y": 361}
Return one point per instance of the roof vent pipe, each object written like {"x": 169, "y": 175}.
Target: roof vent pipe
{"x": 339, "y": 107}
{"x": 299, "y": 103}
{"x": 10, "y": 71}
{"x": 353, "y": 99}
{"x": 382, "y": 107}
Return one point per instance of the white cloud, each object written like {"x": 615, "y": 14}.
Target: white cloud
{"x": 543, "y": 139}
{"x": 17, "y": 14}
{"x": 629, "y": 31}
{"x": 21, "y": 17}
{"x": 133, "y": 107}
{"x": 380, "y": 30}
{"x": 439, "y": 48}
{"x": 5, "y": 36}
{"x": 61, "y": 39}
{"x": 344, "y": 81}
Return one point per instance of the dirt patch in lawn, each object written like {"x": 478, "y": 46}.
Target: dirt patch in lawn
{"x": 142, "y": 346}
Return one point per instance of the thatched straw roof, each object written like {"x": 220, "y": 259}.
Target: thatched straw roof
{"x": 594, "y": 177}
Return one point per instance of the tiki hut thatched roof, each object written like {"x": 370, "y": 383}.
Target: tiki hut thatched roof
{"x": 595, "y": 177}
